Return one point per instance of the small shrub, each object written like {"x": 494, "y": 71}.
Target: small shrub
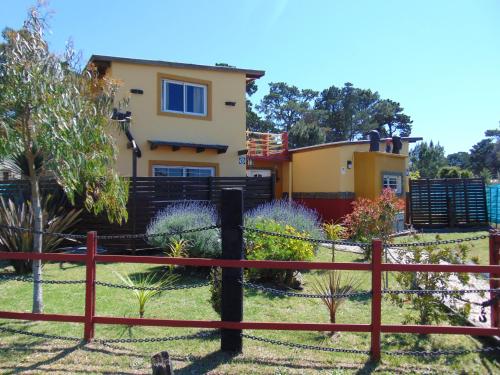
{"x": 334, "y": 231}
{"x": 149, "y": 280}
{"x": 284, "y": 212}
{"x": 216, "y": 289}
{"x": 373, "y": 219}
{"x": 183, "y": 216}
{"x": 333, "y": 283}
{"x": 264, "y": 247}
{"x": 177, "y": 248}
{"x": 427, "y": 308}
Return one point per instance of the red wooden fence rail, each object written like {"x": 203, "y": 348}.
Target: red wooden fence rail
{"x": 376, "y": 267}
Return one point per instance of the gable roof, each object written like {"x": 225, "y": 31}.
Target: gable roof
{"x": 250, "y": 73}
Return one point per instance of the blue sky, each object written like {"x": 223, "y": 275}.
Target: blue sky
{"x": 439, "y": 59}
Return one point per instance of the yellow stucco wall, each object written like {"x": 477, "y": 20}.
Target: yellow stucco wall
{"x": 369, "y": 168}
{"x": 226, "y": 127}
{"x": 324, "y": 170}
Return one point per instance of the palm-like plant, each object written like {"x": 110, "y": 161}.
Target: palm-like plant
{"x": 147, "y": 286}
{"x": 177, "y": 248}
{"x": 56, "y": 218}
{"x": 330, "y": 286}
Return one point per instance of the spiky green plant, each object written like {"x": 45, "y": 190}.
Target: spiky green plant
{"x": 150, "y": 280}
{"x": 177, "y": 248}
{"x": 332, "y": 284}
{"x": 55, "y": 218}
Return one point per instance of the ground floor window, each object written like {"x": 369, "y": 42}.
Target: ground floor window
{"x": 182, "y": 171}
{"x": 394, "y": 182}
{"x": 258, "y": 173}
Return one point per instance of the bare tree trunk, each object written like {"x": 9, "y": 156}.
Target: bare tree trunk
{"x": 37, "y": 239}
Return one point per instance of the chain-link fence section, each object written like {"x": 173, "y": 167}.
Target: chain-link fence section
{"x": 193, "y": 336}
{"x": 144, "y": 236}
{"x": 286, "y": 293}
{"x": 438, "y": 352}
{"x": 47, "y": 233}
{"x": 31, "y": 280}
{"x": 439, "y": 291}
{"x": 39, "y": 335}
{"x": 306, "y": 239}
{"x": 304, "y": 346}
{"x": 438, "y": 242}
{"x": 197, "y": 335}
{"x": 165, "y": 288}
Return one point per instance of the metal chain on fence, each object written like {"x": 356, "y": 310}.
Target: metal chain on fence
{"x": 39, "y": 335}
{"x": 439, "y": 291}
{"x": 306, "y": 239}
{"x": 439, "y": 242}
{"x": 436, "y": 353}
{"x": 111, "y": 237}
{"x": 153, "y": 235}
{"x": 304, "y": 346}
{"x": 203, "y": 334}
{"x": 176, "y": 287}
{"x": 305, "y": 295}
{"x": 53, "y": 234}
{"x": 31, "y": 280}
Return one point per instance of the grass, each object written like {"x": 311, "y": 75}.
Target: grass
{"x": 23, "y": 354}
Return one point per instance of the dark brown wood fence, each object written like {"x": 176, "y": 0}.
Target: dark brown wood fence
{"x": 152, "y": 194}
{"x": 441, "y": 203}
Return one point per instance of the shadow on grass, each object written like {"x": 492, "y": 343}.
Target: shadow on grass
{"x": 210, "y": 362}
{"x": 187, "y": 275}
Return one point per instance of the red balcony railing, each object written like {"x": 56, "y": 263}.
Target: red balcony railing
{"x": 267, "y": 145}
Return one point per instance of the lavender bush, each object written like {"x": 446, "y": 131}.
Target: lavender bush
{"x": 188, "y": 215}
{"x": 284, "y": 212}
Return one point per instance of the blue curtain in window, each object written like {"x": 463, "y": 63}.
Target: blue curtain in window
{"x": 175, "y": 97}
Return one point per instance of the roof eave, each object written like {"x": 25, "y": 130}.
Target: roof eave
{"x": 249, "y": 73}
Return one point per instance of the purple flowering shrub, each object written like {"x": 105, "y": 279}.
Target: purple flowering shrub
{"x": 299, "y": 217}
{"x": 188, "y": 215}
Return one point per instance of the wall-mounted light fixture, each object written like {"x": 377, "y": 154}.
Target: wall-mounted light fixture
{"x": 349, "y": 164}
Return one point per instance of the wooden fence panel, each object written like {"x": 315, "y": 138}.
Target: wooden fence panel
{"x": 440, "y": 203}
{"x": 151, "y": 195}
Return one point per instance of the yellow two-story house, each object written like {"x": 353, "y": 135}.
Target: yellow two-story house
{"x": 187, "y": 120}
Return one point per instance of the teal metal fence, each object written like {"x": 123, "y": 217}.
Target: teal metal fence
{"x": 493, "y": 201}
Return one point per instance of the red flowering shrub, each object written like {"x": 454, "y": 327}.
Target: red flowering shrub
{"x": 373, "y": 218}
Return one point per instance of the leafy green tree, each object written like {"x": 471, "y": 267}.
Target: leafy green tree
{"x": 255, "y": 123}
{"x": 49, "y": 110}
{"x": 459, "y": 159}
{"x": 285, "y": 105}
{"x": 389, "y": 117}
{"x": 306, "y": 133}
{"x": 483, "y": 155}
{"x": 454, "y": 172}
{"x": 427, "y": 159}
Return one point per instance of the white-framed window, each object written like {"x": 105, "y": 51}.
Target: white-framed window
{"x": 394, "y": 182}
{"x": 183, "y": 97}
{"x": 182, "y": 171}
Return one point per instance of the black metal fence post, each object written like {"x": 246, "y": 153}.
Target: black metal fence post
{"x": 232, "y": 278}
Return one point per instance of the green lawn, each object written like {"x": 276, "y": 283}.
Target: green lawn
{"x": 479, "y": 248}
{"x": 22, "y": 354}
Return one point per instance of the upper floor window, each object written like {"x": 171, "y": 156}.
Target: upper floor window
{"x": 184, "y": 97}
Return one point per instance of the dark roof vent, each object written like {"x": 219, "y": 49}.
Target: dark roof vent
{"x": 374, "y": 140}
{"x": 397, "y": 145}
